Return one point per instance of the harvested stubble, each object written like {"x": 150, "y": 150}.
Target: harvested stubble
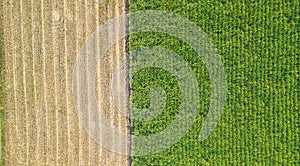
{"x": 42, "y": 40}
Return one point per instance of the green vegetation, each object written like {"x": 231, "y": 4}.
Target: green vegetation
{"x": 258, "y": 42}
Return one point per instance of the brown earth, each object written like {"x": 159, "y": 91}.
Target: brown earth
{"x": 42, "y": 40}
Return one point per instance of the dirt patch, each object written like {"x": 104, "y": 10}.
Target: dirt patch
{"x": 42, "y": 40}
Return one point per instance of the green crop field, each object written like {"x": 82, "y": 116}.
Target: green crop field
{"x": 258, "y": 42}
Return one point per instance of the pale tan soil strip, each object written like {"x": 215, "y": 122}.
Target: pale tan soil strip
{"x": 86, "y": 17}
{"x": 116, "y": 60}
{"x": 111, "y": 158}
{"x": 58, "y": 48}
{"x": 70, "y": 49}
{"x": 59, "y": 75}
{"x": 10, "y": 89}
{"x": 55, "y": 43}
{"x": 24, "y": 81}
{"x": 80, "y": 20}
{"x": 67, "y": 83}
{"x": 42, "y": 114}
{"x": 45, "y": 95}
{"x": 35, "y": 50}
{"x": 15, "y": 113}
{"x": 98, "y": 6}
{"x": 92, "y": 14}
{"x": 30, "y": 100}
{"x": 28, "y": 79}
{"x": 35, "y": 149}
{"x": 8, "y": 97}
{"x": 77, "y": 50}
{"x": 17, "y": 74}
